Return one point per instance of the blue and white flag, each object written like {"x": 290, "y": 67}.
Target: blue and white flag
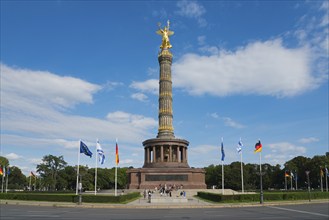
{"x": 101, "y": 156}
{"x": 239, "y": 148}
{"x": 222, "y": 149}
{"x": 84, "y": 149}
{"x": 327, "y": 173}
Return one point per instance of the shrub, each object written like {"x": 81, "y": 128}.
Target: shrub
{"x": 69, "y": 197}
{"x": 268, "y": 196}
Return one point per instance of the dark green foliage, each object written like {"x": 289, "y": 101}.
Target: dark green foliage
{"x": 273, "y": 177}
{"x": 268, "y": 196}
{"x": 52, "y": 197}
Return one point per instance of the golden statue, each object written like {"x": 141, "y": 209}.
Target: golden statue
{"x": 165, "y": 33}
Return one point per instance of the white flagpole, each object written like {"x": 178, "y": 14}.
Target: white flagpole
{"x": 78, "y": 167}
{"x": 326, "y": 176}
{"x": 242, "y": 173}
{"x": 290, "y": 181}
{"x": 7, "y": 180}
{"x": 3, "y": 179}
{"x": 222, "y": 177}
{"x": 35, "y": 181}
{"x": 296, "y": 179}
{"x": 30, "y": 182}
{"x": 116, "y": 169}
{"x": 321, "y": 172}
{"x": 96, "y": 168}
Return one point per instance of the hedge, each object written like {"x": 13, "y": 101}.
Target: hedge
{"x": 267, "y": 196}
{"x": 69, "y": 197}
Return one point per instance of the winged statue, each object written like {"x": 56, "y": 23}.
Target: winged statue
{"x": 165, "y": 33}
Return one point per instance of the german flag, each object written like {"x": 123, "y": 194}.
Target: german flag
{"x": 258, "y": 147}
{"x": 116, "y": 153}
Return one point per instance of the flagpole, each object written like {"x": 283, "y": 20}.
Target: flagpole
{"x": 290, "y": 182}
{"x": 326, "y": 175}
{"x": 3, "y": 179}
{"x": 296, "y": 178}
{"x": 7, "y": 180}
{"x": 261, "y": 177}
{"x": 222, "y": 177}
{"x": 321, "y": 174}
{"x": 242, "y": 174}
{"x": 96, "y": 168}
{"x": 285, "y": 181}
{"x": 78, "y": 167}
{"x": 35, "y": 182}
{"x": 116, "y": 168}
{"x": 30, "y": 182}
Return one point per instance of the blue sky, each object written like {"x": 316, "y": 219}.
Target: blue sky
{"x": 75, "y": 70}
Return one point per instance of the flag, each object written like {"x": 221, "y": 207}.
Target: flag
{"x": 4, "y": 171}
{"x": 84, "y": 149}
{"x": 240, "y": 145}
{"x": 286, "y": 174}
{"x": 8, "y": 171}
{"x": 327, "y": 174}
{"x": 116, "y": 153}
{"x": 32, "y": 174}
{"x": 292, "y": 174}
{"x": 321, "y": 172}
{"x": 101, "y": 156}
{"x": 222, "y": 149}
{"x": 258, "y": 147}
{"x": 1, "y": 171}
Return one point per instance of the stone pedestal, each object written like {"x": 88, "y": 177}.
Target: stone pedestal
{"x": 151, "y": 178}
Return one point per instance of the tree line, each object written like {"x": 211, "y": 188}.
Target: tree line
{"x": 53, "y": 173}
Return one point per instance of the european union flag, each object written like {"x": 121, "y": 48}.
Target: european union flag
{"x": 84, "y": 149}
{"x": 222, "y": 149}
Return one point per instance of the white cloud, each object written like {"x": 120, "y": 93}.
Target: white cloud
{"x": 202, "y": 149}
{"x": 308, "y": 140}
{"x": 262, "y": 68}
{"x": 152, "y": 71}
{"x": 111, "y": 85}
{"x": 214, "y": 115}
{"x": 32, "y": 116}
{"x": 35, "y": 161}
{"x": 139, "y": 96}
{"x": 151, "y": 86}
{"x": 12, "y": 156}
{"x": 192, "y": 9}
{"x": 45, "y": 87}
{"x": 227, "y": 121}
{"x": 132, "y": 119}
{"x": 231, "y": 123}
{"x": 282, "y": 152}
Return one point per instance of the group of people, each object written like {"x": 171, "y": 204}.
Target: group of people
{"x": 164, "y": 190}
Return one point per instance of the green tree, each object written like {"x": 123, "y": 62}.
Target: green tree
{"x": 4, "y": 162}
{"x": 49, "y": 169}
{"x": 16, "y": 179}
{"x": 213, "y": 175}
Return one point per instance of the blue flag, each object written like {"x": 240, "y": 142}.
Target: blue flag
{"x": 222, "y": 149}
{"x": 84, "y": 149}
